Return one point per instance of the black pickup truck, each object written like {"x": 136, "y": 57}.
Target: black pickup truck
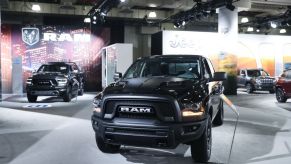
{"x": 56, "y": 79}
{"x": 161, "y": 101}
{"x": 255, "y": 79}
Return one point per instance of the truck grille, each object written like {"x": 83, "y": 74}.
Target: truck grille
{"x": 162, "y": 110}
{"x": 44, "y": 82}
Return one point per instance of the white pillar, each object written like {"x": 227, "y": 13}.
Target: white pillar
{"x": 228, "y": 31}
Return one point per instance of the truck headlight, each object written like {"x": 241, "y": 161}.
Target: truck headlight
{"x": 29, "y": 81}
{"x": 96, "y": 105}
{"x": 192, "y": 110}
{"x": 62, "y": 81}
{"x": 258, "y": 81}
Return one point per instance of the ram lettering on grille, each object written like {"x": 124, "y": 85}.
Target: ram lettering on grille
{"x": 135, "y": 109}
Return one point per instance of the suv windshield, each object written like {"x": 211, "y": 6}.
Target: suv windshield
{"x": 188, "y": 68}
{"x": 53, "y": 68}
{"x": 257, "y": 73}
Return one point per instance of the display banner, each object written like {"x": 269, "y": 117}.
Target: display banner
{"x": 38, "y": 45}
{"x": 270, "y": 52}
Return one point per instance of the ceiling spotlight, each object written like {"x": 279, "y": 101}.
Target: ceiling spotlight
{"x": 250, "y": 29}
{"x": 94, "y": 17}
{"x": 273, "y": 25}
{"x": 94, "y": 22}
{"x": 87, "y": 20}
{"x": 230, "y": 6}
{"x": 244, "y": 20}
{"x": 152, "y": 14}
{"x": 35, "y": 7}
{"x": 122, "y": 1}
{"x": 103, "y": 14}
{"x": 258, "y": 30}
{"x": 183, "y": 23}
{"x": 283, "y": 31}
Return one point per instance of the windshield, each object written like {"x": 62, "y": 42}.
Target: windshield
{"x": 53, "y": 68}
{"x": 257, "y": 73}
{"x": 188, "y": 68}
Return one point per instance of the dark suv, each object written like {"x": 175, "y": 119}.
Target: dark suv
{"x": 283, "y": 86}
{"x": 161, "y": 101}
{"x": 55, "y": 79}
{"x": 255, "y": 79}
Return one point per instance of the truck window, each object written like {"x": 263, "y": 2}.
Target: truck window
{"x": 207, "y": 72}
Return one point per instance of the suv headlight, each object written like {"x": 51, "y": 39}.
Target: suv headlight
{"x": 192, "y": 110}
{"x": 62, "y": 81}
{"x": 29, "y": 81}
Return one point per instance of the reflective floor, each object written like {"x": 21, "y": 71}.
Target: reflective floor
{"x": 52, "y": 131}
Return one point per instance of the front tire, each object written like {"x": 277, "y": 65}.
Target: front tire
{"x": 218, "y": 120}
{"x": 201, "y": 148}
{"x": 280, "y": 96}
{"x": 31, "y": 98}
{"x": 250, "y": 88}
{"x": 68, "y": 95}
{"x": 105, "y": 147}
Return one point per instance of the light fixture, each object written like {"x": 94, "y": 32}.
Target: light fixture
{"x": 103, "y": 14}
{"x": 273, "y": 25}
{"x": 94, "y": 22}
{"x": 35, "y": 7}
{"x": 87, "y": 20}
{"x": 152, "y": 5}
{"x": 94, "y": 17}
{"x": 250, "y": 29}
{"x": 244, "y": 20}
{"x": 183, "y": 23}
{"x": 258, "y": 30}
{"x": 152, "y": 14}
{"x": 230, "y": 6}
{"x": 122, "y": 1}
{"x": 283, "y": 31}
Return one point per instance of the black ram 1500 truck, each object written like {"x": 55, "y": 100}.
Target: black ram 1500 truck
{"x": 55, "y": 79}
{"x": 161, "y": 101}
{"x": 255, "y": 79}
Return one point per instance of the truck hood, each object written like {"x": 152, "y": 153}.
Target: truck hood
{"x": 47, "y": 75}
{"x": 154, "y": 85}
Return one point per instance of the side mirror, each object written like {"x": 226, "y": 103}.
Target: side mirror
{"x": 219, "y": 76}
{"x": 117, "y": 76}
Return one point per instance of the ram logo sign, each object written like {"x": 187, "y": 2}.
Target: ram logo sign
{"x": 30, "y": 35}
{"x": 135, "y": 110}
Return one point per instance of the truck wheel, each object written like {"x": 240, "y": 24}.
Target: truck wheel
{"x": 218, "y": 120}
{"x": 201, "y": 148}
{"x": 31, "y": 98}
{"x": 105, "y": 147}
{"x": 250, "y": 88}
{"x": 68, "y": 95}
{"x": 280, "y": 95}
{"x": 81, "y": 92}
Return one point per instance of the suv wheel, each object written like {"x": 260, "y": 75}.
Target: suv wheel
{"x": 218, "y": 120}
{"x": 201, "y": 148}
{"x": 280, "y": 95}
{"x": 31, "y": 98}
{"x": 105, "y": 147}
{"x": 250, "y": 88}
{"x": 68, "y": 95}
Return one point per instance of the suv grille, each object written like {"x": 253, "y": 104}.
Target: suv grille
{"x": 267, "y": 81}
{"x": 162, "y": 110}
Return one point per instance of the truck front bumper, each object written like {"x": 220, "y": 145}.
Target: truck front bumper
{"x": 46, "y": 91}
{"x": 163, "y": 135}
